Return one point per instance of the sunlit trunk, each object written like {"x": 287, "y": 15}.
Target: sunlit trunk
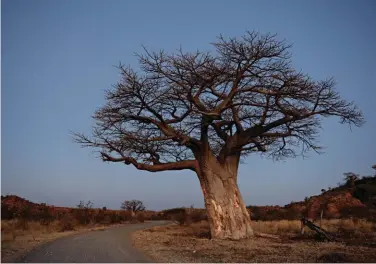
{"x": 227, "y": 214}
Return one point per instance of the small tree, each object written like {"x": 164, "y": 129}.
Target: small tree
{"x": 204, "y": 111}
{"x": 88, "y": 205}
{"x": 350, "y": 178}
{"x": 45, "y": 215}
{"x": 133, "y": 206}
{"x": 83, "y": 214}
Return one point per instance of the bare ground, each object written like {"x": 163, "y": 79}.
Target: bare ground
{"x": 175, "y": 243}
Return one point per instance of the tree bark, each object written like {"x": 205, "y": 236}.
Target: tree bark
{"x": 227, "y": 214}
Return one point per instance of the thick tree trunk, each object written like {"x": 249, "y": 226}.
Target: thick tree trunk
{"x": 227, "y": 214}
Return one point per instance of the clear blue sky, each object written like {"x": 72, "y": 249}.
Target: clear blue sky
{"x": 57, "y": 60}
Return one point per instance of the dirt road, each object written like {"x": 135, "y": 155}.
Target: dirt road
{"x": 110, "y": 245}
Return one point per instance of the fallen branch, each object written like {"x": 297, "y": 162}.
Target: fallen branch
{"x": 321, "y": 232}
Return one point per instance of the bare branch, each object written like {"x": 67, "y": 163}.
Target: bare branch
{"x": 243, "y": 98}
{"x": 179, "y": 165}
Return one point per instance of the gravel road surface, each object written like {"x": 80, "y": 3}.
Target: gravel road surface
{"x": 110, "y": 245}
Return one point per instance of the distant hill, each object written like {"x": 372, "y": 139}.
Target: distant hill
{"x": 354, "y": 198}
{"x": 14, "y": 206}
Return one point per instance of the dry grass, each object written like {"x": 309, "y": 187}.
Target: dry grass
{"x": 191, "y": 244}
{"x": 333, "y": 225}
{"x": 19, "y": 237}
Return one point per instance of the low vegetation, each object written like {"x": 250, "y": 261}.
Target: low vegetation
{"x": 25, "y": 225}
{"x": 191, "y": 243}
{"x": 348, "y": 210}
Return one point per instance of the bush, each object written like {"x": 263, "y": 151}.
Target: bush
{"x": 99, "y": 217}
{"x": 175, "y": 214}
{"x": 126, "y": 216}
{"x": 25, "y": 212}
{"x": 254, "y": 212}
{"x": 60, "y": 215}
{"x": 84, "y": 213}
{"x": 365, "y": 192}
{"x": 148, "y": 215}
{"x": 115, "y": 218}
{"x": 198, "y": 216}
{"x": 359, "y": 212}
{"x": 67, "y": 223}
{"x": 45, "y": 216}
{"x": 140, "y": 217}
{"x": 22, "y": 223}
{"x": 7, "y": 212}
{"x": 273, "y": 214}
{"x": 182, "y": 218}
{"x": 83, "y": 216}
{"x": 157, "y": 217}
{"x": 292, "y": 214}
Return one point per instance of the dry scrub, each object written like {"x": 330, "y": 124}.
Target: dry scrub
{"x": 19, "y": 236}
{"x": 332, "y": 226}
{"x": 191, "y": 243}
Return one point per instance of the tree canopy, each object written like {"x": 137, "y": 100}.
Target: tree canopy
{"x": 243, "y": 97}
{"x": 133, "y": 205}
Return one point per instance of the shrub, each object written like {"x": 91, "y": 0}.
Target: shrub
{"x": 359, "y": 212}
{"x": 176, "y": 214}
{"x": 198, "y": 216}
{"x": 115, "y": 218}
{"x": 7, "y": 212}
{"x": 22, "y": 223}
{"x": 157, "y": 217}
{"x": 182, "y": 218}
{"x": 99, "y": 216}
{"x": 67, "y": 223}
{"x": 273, "y": 214}
{"x": 25, "y": 212}
{"x": 365, "y": 192}
{"x": 140, "y": 217}
{"x": 292, "y": 214}
{"x": 125, "y": 216}
{"x": 254, "y": 212}
{"x": 84, "y": 212}
{"x": 45, "y": 216}
{"x": 106, "y": 219}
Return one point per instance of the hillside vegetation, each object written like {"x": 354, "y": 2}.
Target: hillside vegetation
{"x": 355, "y": 197}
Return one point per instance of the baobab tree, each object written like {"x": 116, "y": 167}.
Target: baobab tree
{"x": 133, "y": 206}
{"x": 350, "y": 178}
{"x": 204, "y": 111}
